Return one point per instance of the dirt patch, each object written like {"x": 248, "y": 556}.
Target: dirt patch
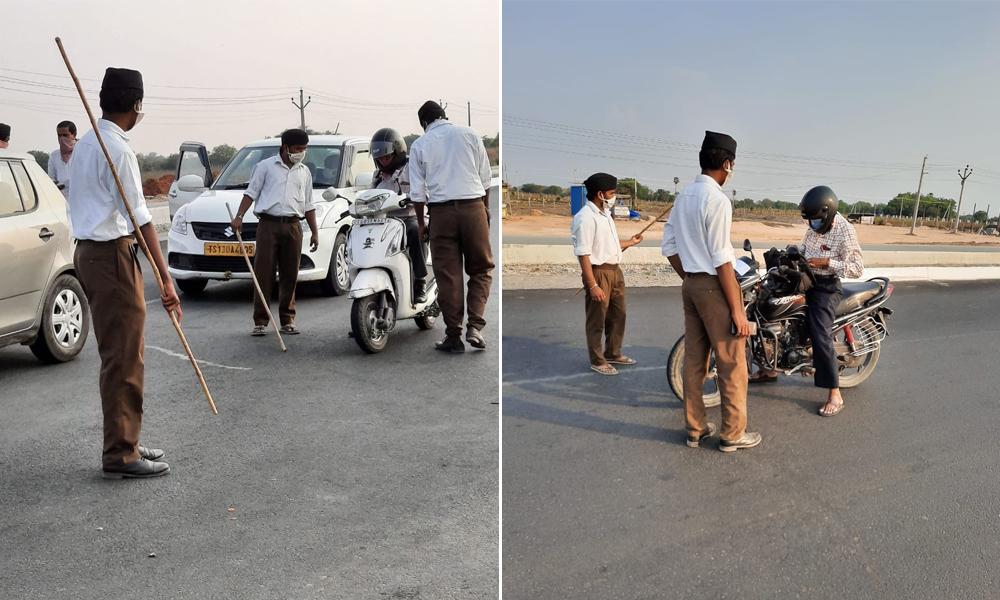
{"x": 157, "y": 187}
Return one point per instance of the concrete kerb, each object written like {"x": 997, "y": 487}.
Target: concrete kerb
{"x": 899, "y": 266}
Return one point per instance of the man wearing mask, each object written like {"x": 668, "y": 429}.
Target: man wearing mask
{"x": 596, "y": 245}
{"x": 388, "y": 148}
{"x": 4, "y": 136}
{"x": 450, "y": 172}
{"x": 831, "y": 247}
{"x": 59, "y": 161}
{"x": 696, "y": 242}
{"x": 107, "y": 265}
{"x": 280, "y": 189}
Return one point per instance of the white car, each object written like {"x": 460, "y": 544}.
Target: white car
{"x": 201, "y": 244}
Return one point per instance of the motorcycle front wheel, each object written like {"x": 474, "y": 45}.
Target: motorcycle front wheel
{"x": 364, "y": 316}
{"x": 675, "y": 376}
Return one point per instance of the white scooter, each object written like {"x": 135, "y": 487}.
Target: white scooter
{"x": 382, "y": 273}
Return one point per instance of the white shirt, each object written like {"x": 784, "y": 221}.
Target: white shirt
{"x": 398, "y": 182}
{"x": 279, "y": 191}
{"x": 59, "y": 173}
{"x": 698, "y": 227}
{"x": 99, "y": 213}
{"x": 448, "y": 162}
{"x": 594, "y": 234}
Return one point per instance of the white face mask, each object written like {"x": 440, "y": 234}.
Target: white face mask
{"x": 729, "y": 175}
{"x": 139, "y": 113}
{"x": 297, "y": 157}
{"x": 608, "y": 202}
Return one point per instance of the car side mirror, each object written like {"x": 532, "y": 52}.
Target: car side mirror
{"x": 191, "y": 183}
{"x": 363, "y": 180}
{"x": 330, "y": 194}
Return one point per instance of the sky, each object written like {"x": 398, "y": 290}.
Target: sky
{"x": 220, "y": 71}
{"x": 846, "y": 94}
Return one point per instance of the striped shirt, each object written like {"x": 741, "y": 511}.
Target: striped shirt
{"x": 840, "y": 245}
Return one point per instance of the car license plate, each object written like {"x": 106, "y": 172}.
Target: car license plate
{"x": 372, "y": 222}
{"x": 227, "y": 249}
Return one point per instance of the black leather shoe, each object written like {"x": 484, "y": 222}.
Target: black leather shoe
{"x": 419, "y": 292}
{"x": 138, "y": 469}
{"x": 450, "y": 344}
{"x": 475, "y": 338}
{"x": 153, "y": 454}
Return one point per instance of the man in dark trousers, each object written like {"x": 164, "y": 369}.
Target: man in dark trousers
{"x": 696, "y": 242}
{"x": 108, "y": 267}
{"x": 450, "y": 172}
{"x": 280, "y": 189}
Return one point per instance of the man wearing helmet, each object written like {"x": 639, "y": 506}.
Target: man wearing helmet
{"x": 832, "y": 250}
{"x": 392, "y": 172}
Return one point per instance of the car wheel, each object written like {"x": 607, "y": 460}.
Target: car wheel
{"x": 338, "y": 277}
{"x": 192, "y": 286}
{"x": 65, "y": 322}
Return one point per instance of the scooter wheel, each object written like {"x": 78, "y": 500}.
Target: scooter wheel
{"x": 364, "y": 316}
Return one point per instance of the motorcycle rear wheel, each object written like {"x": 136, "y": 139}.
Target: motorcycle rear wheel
{"x": 675, "y": 376}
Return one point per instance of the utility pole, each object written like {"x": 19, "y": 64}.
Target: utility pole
{"x": 920, "y": 186}
{"x": 734, "y": 198}
{"x": 958, "y": 212}
{"x": 302, "y": 108}
{"x": 469, "y": 104}
{"x": 676, "y": 181}
{"x": 635, "y": 191}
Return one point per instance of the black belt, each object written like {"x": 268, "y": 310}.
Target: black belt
{"x": 274, "y": 219}
{"x": 456, "y": 202}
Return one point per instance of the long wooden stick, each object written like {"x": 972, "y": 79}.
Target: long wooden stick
{"x": 255, "y": 284}
{"x": 662, "y": 214}
{"x": 135, "y": 225}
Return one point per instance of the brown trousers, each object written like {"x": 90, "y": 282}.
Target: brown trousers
{"x": 279, "y": 249}
{"x": 708, "y": 323}
{"x": 460, "y": 233}
{"x": 607, "y": 318}
{"x": 111, "y": 279}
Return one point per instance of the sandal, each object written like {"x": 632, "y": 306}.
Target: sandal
{"x": 604, "y": 370}
{"x": 761, "y": 378}
{"x": 836, "y": 409}
{"x": 290, "y": 329}
{"x": 622, "y": 360}
{"x": 259, "y": 330}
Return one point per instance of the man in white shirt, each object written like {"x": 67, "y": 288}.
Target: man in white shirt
{"x": 697, "y": 244}
{"x": 450, "y": 172}
{"x": 597, "y": 247}
{"x": 4, "y": 136}
{"x": 108, "y": 268}
{"x": 59, "y": 161}
{"x": 280, "y": 189}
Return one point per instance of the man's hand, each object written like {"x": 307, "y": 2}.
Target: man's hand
{"x": 636, "y": 239}
{"x": 423, "y": 232}
{"x": 237, "y": 225}
{"x": 314, "y": 241}
{"x": 61, "y": 186}
{"x": 819, "y": 263}
{"x": 597, "y": 294}
{"x": 742, "y": 325}
{"x": 171, "y": 303}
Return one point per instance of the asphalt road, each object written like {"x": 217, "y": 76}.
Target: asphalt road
{"x": 896, "y": 497}
{"x": 544, "y": 240}
{"x": 351, "y": 476}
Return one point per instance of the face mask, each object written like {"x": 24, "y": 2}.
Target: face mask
{"x": 729, "y": 175}
{"x": 66, "y": 144}
{"x": 297, "y": 157}
{"x": 609, "y": 202}
{"x": 816, "y": 224}
{"x": 138, "y": 112}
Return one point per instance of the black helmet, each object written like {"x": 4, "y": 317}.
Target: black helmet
{"x": 820, "y": 204}
{"x": 387, "y": 142}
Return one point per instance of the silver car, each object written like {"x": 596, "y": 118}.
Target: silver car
{"x": 42, "y": 304}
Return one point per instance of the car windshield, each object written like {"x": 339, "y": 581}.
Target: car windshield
{"x": 323, "y": 163}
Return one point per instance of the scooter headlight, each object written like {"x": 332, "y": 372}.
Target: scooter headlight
{"x": 363, "y": 207}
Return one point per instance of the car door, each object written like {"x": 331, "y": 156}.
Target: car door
{"x": 193, "y": 160}
{"x": 28, "y": 244}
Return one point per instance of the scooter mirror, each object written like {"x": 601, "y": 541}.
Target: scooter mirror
{"x": 747, "y": 246}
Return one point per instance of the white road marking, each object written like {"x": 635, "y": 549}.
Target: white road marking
{"x": 200, "y": 362}
{"x": 588, "y": 373}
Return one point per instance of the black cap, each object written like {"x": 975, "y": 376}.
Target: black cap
{"x": 294, "y": 137}
{"x": 4, "y": 132}
{"x": 600, "y": 182}
{"x": 718, "y": 140}
{"x": 120, "y": 79}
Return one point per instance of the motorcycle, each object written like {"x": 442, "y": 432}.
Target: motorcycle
{"x": 775, "y": 304}
{"x": 382, "y": 281}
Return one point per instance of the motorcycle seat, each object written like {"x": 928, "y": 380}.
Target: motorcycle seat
{"x": 856, "y": 294}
